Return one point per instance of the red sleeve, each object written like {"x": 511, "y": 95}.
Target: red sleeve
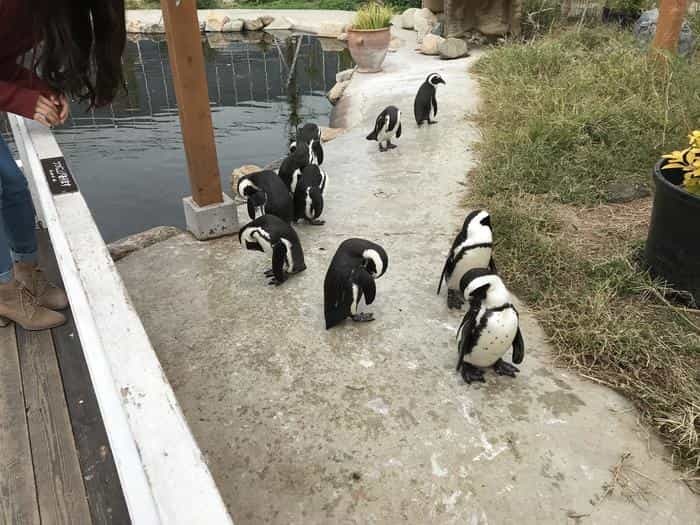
{"x": 20, "y": 89}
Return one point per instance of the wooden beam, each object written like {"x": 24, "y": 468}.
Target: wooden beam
{"x": 668, "y": 27}
{"x": 190, "y": 81}
{"x": 18, "y": 503}
{"x": 59, "y": 482}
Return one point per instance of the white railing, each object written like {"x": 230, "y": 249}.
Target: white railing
{"x": 162, "y": 472}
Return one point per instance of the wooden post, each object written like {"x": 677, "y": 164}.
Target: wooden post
{"x": 189, "y": 78}
{"x": 668, "y": 27}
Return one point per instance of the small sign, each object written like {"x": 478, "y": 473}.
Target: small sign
{"x": 58, "y": 176}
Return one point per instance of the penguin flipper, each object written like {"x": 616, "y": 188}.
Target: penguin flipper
{"x": 336, "y": 296}
{"x": 377, "y": 126}
{"x": 279, "y": 252}
{"x": 434, "y": 103}
{"x": 465, "y": 332}
{"x": 366, "y": 283}
{"x": 318, "y": 151}
{"x": 444, "y": 272}
{"x": 398, "y": 131}
{"x": 518, "y": 348}
{"x": 492, "y": 266}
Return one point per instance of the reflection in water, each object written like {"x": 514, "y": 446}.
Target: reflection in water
{"x": 128, "y": 157}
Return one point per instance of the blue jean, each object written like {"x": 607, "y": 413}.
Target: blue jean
{"x": 17, "y": 223}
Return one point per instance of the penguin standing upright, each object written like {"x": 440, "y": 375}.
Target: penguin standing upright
{"x": 425, "y": 104}
{"x": 311, "y": 135}
{"x": 300, "y": 156}
{"x": 472, "y": 248}
{"x": 308, "y": 194}
{"x": 264, "y": 193}
{"x": 275, "y": 237}
{"x": 387, "y": 126}
{"x": 350, "y": 277}
{"x": 489, "y": 328}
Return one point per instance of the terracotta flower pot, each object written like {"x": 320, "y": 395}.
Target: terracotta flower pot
{"x": 368, "y": 48}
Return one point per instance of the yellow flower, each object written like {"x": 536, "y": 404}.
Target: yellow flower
{"x": 695, "y": 138}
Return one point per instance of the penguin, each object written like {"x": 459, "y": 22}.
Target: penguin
{"x": 489, "y": 328}
{"x": 387, "y": 126}
{"x": 350, "y": 277}
{"x": 308, "y": 195}
{"x": 265, "y": 193}
{"x": 472, "y": 248}
{"x": 272, "y": 235}
{"x": 425, "y": 104}
{"x": 311, "y": 135}
{"x": 299, "y": 157}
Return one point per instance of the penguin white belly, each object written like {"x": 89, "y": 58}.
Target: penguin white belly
{"x": 495, "y": 339}
{"x": 385, "y": 135}
{"x": 473, "y": 258}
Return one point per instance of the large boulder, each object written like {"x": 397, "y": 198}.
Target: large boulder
{"x": 135, "y": 26}
{"x": 408, "y": 18}
{"x": 216, "y": 23}
{"x": 431, "y": 44}
{"x": 233, "y": 26}
{"x": 267, "y": 20}
{"x": 425, "y": 14}
{"x": 345, "y": 75}
{"x": 645, "y": 28}
{"x": 253, "y": 24}
{"x": 452, "y": 48}
{"x": 123, "y": 247}
{"x": 328, "y": 134}
{"x": 336, "y": 92}
{"x": 423, "y": 27}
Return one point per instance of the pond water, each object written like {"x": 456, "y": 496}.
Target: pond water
{"x": 128, "y": 158}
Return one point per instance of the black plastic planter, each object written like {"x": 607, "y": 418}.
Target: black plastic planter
{"x": 673, "y": 245}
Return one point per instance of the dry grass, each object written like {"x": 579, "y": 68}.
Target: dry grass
{"x": 563, "y": 117}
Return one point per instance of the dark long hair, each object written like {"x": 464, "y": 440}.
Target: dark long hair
{"x": 81, "y": 47}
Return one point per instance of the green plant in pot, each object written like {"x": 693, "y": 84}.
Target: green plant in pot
{"x": 369, "y": 37}
{"x": 673, "y": 244}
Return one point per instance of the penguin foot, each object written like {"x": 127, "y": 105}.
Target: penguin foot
{"x": 454, "y": 300}
{"x": 470, "y": 374}
{"x": 432, "y": 122}
{"x": 383, "y": 149}
{"x": 505, "y": 369}
{"x": 269, "y": 273}
{"x": 316, "y": 222}
{"x": 363, "y": 317}
{"x": 274, "y": 282}
{"x": 391, "y": 146}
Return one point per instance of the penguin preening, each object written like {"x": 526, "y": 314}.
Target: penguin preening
{"x": 472, "y": 248}
{"x": 308, "y": 194}
{"x": 300, "y": 156}
{"x": 350, "y": 277}
{"x": 425, "y": 104}
{"x": 387, "y": 126}
{"x": 311, "y": 135}
{"x": 265, "y": 193}
{"x": 489, "y": 328}
{"x": 278, "y": 239}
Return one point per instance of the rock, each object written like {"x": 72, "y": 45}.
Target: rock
{"x": 396, "y": 44}
{"x": 438, "y": 29}
{"x": 423, "y": 27}
{"x": 343, "y": 37}
{"x": 330, "y": 29}
{"x": 233, "y": 26}
{"x": 620, "y": 192}
{"x": 345, "y": 75}
{"x": 267, "y": 20}
{"x": 336, "y": 92}
{"x": 281, "y": 23}
{"x": 431, "y": 44}
{"x": 328, "y": 134}
{"x": 408, "y": 18}
{"x": 331, "y": 44}
{"x": 155, "y": 29}
{"x": 246, "y": 169}
{"x": 645, "y": 28}
{"x": 425, "y": 14}
{"x": 134, "y": 26}
{"x": 452, "y": 48}
{"x": 253, "y": 24}
{"x": 123, "y": 247}
{"x": 215, "y": 24}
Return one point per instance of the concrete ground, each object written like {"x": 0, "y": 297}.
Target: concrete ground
{"x": 370, "y": 423}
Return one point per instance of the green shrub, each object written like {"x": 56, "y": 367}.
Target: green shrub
{"x": 373, "y": 16}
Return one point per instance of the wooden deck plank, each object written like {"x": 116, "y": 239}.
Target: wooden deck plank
{"x": 18, "y": 504}
{"x": 59, "y": 482}
{"x": 104, "y": 491}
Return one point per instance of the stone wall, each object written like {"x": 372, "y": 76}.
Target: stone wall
{"x": 489, "y": 17}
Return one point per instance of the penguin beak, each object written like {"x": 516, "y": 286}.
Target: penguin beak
{"x": 441, "y": 81}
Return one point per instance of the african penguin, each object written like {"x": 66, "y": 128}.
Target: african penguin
{"x": 387, "y": 126}
{"x": 299, "y": 157}
{"x": 272, "y": 235}
{"x": 308, "y": 194}
{"x": 425, "y": 104}
{"x": 472, "y": 248}
{"x": 489, "y": 329}
{"x": 350, "y": 277}
{"x": 264, "y": 193}
{"x": 311, "y": 135}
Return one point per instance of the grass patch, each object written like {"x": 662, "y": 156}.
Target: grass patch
{"x": 562, "y": 117}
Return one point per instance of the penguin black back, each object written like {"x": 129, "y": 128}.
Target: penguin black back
{"x": 386, "y": 127}
{"x": 299, "y": 157}
{"x": 265, "y": 190}
{"x": 311, "y": 135}
{"x": 308, "y": 195}
{"x": 425, "y": 104}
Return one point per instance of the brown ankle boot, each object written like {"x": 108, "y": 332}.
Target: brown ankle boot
{"x": 19, "y": 305}
{"x": 47, "y": 294}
